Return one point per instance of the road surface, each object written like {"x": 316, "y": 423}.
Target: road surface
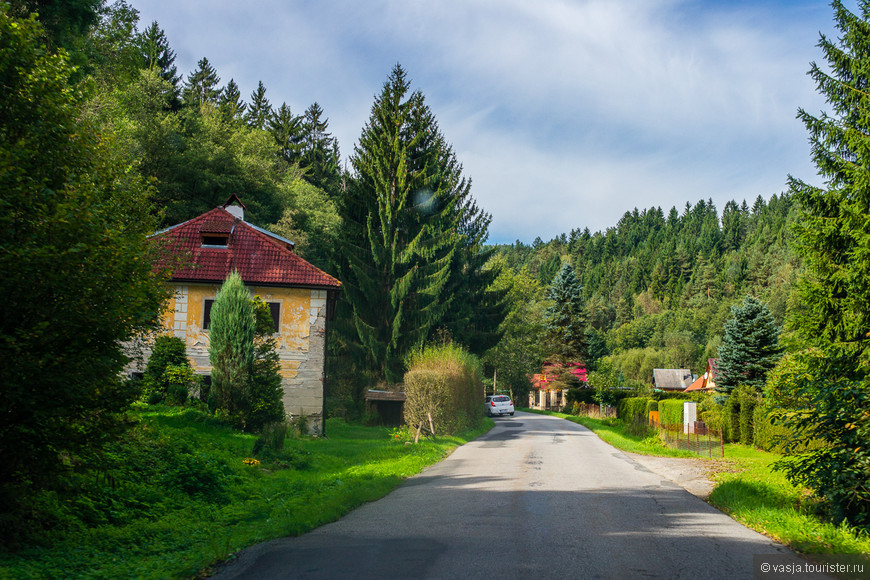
{"x": 536, "y": 497}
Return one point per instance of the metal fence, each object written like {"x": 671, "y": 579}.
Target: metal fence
{"x": 699, "y": 439}
{"x": 592, "y": 411}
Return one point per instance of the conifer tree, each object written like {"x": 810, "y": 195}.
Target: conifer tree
{"x": 157, "y": 55}
{"x": 750, "y": 346}
{"x": 260, "y": 109}
{"x": 320, "y": 156}
{"x": 202, "y": 85}
{"x": 287, "y": 130}
{"x": 230, "y": 101}
{"x": 565, "y": 319}
{"x": 833, "y": 238}
{"x": 399, "y": 234}
{"x": 231, "y": 349}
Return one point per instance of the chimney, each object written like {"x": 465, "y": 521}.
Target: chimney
{"x": 235, "y": 207}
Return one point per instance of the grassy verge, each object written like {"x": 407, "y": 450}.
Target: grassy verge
{"x": 183, "y": 493}
{"x": 750, "y": 491}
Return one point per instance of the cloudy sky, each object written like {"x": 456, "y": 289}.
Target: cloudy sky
{"x": 564, "y": 113}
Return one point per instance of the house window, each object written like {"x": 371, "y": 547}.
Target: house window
{"x": 215, "y": 240}
{"x": 206, "y": 312}
{"x": 274, "y": 310}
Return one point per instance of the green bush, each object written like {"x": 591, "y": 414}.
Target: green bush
{"x": 731, "y": 417}
{"x": 633, "y": 409}
{"x": 748, "y": 402}
{"x": 651, "y": 406}
{"x": 168, "y": 376}
{"x": 585, "y": 396}
{"x": 444, "y": 382}
{"x": 671, "y": 412}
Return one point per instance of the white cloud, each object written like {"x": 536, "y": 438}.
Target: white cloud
{"x": 564, "y": 113}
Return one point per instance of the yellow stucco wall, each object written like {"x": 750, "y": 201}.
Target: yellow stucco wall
{"x": 300, "y": 339}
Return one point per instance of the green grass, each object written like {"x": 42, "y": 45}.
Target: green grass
{"x": 761, "y": 498}
{"x": 177, "y": 497}
{"x": 751, "y": 491}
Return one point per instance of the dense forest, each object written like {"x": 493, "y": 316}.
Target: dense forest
{"x": 658, "y": 287}
{"x": 105, "y": 141}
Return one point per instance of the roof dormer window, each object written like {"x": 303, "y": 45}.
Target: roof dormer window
{"x": 216, "y": 234}
{"x": 215, "y": 241}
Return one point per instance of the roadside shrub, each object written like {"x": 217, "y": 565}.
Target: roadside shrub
{"x": 748, "y": 401}
{"x": 671, "y": 412}
{"x": 731, "y": 418}
{"x": 585, "y": 396}
{"x": 633, "y": 409}
{"x": 443, "y": 382}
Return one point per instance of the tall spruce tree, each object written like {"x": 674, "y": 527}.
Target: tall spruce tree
{"x": 750, "y": 346}
{"x": 399, "y": 235}
{"x": 157, "y": 55}
{"x": 565, "y": 319}
{"x": 202, "y": 85}
{"x": 287, "y": 130}
{"x": 260, "y": 109}
{"x": 833, "y": 238}
{"x": 230, "y": 102}
{"x": 319, "y": 154}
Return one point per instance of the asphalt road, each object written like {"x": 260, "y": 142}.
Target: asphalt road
{"x": 537, "y": 497}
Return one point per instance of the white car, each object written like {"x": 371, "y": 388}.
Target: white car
{"x": 499, "y": 405}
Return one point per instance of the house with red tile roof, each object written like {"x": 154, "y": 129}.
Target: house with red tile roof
{"x": 203, "y": 251}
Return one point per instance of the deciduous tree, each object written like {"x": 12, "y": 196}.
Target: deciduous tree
{"x": 77, "y": 281}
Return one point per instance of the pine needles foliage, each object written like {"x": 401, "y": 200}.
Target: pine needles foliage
{"x": 833, "y": 237}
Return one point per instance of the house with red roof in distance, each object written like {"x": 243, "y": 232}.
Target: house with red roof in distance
{"x": 706, "y": 382}
{"x": 549, "y": 388}
{"x": 203, "y": 251}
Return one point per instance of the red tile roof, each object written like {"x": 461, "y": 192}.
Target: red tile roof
{"x": 260, "y": 257}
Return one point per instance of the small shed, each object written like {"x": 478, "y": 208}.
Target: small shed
{"x": 388, "y": 405}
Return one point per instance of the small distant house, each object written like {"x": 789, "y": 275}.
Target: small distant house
{"x": 706, "y": 382}
{"x": 672, "y": 379}
{"x": 548, "y": 389}
{"x": 301, "y": 297}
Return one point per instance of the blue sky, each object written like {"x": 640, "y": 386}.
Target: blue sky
{"x": 564, "y": 113}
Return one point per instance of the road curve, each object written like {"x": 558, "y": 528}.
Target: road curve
{"x": 536, "y": 497}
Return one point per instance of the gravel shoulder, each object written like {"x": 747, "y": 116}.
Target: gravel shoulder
{"x": 694, "y": 475}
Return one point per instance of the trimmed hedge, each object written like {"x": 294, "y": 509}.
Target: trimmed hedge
{"x": 587, "y": 396}
{"x": 633, "y": 409}
{"x": 671, "y": 411}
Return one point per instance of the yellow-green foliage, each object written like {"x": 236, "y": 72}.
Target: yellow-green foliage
{"x": 444, "y": 381}
{"x": 671, "y": 411}
{"x": 633, "y": 409}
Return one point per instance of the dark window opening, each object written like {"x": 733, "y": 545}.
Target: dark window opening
{"x": 222, "y": 241}
{"x": 206, "y": 313}
{"x": 275, "y": 311}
